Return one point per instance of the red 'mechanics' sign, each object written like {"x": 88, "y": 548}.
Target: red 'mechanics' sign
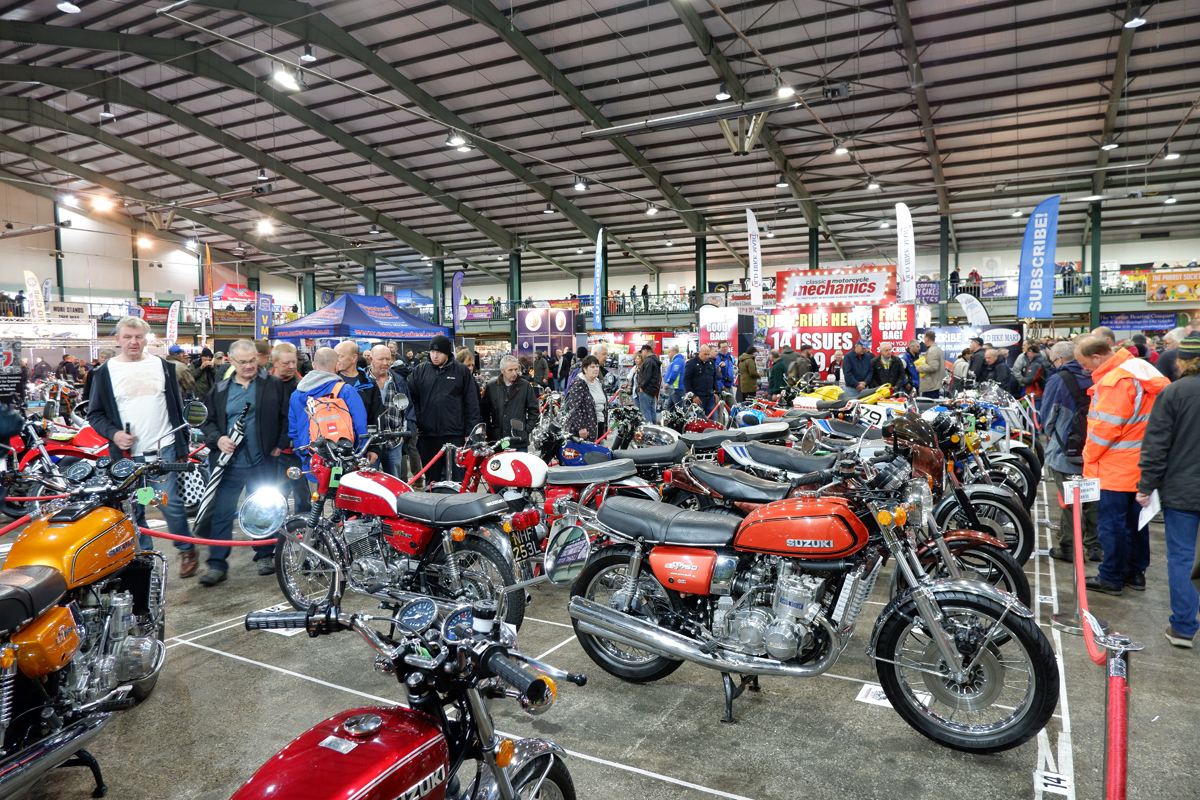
{"x": 836, "y": 287}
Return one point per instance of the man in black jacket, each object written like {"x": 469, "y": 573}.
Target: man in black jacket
{"x": 253, "y": 463}
{"x": 446, "y": 400}
{"x": 507, "y": 398}
{"x": 978, "y": 354}
{"x": 887, "y": 368}
{"x": 649, "y": 381}
{"x": 283, "y": 367}
{"x": 700, "y": 378}
{"x": 565, "y": 365}
{"x": 995, "y": 369}
{"x": 134, "y": 401}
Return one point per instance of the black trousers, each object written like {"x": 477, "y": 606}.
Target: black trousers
{"x": 428, "y": 447}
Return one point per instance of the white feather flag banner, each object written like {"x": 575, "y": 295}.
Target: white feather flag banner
{"x": 906, "y": 256}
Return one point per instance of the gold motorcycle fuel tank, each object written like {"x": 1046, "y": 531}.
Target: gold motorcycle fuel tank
{"x": 47, "y": 644}
{"x": 93, "y": 546}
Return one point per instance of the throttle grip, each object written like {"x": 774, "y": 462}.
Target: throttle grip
{"x": 508, "y": 670}
{"x": 276, "y": 620}
{"x": 173, "y": 466}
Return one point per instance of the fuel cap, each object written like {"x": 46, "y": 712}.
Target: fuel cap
{"x": 362, "y": 725}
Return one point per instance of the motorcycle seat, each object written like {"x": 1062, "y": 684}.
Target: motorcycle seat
{"x": 852, "y": 431}
{"x": 787, "y": 458}
{"x": 801, "y": 415}
{"x": 664, "y": 524}
{"x": 604, "y": 472}
{"x": 766, "y": 430}
{"x": 654, "y": 456}
{"x": 433, "y": 508}
{"x": 711, "y": 440}
{"x": 25, "y": 592}
{"x": 739, "y": 486}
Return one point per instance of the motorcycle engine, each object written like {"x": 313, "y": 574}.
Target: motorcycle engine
{"x": 891, "y": 475}
{"x": 362, "y": 537}
{"x": 368, "y": 565}
{"x": 777, "y": 623}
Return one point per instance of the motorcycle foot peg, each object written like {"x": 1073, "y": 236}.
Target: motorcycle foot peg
{"x": 124, "y": 704}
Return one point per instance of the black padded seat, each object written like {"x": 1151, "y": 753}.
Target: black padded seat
{"x": 711, "y": 440}
{"x": 788, "y": 458}
{"x": 25, "y": 592}
{"x": 434, "y": 508}
{"x": 926, "y": 403}
{"x": 853, "y": 431}
{"x": 654, "y": 456}
{"x": 739, "y": 486}
{"x": 766, "y": 430}
{"x": 593, "y": 473}
{"x": 664, "y": 524}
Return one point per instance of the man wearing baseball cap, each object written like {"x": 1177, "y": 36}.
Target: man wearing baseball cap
{"x": 856, "y": 366}
{"x": 446, "y": 399}
{"x": 183, "y": 376}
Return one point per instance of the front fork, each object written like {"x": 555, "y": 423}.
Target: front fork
{"x": 488, "y": 742}
{"x": 940, "y": 542}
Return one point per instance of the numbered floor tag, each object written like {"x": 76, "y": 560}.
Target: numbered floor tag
{"x": 1089, "y": 490}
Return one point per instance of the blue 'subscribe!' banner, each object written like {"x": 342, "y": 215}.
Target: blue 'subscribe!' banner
{"x": 1035, "y": 294}
{"x": 597, "y": 314}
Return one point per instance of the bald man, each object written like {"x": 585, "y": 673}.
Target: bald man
{"x": 321, "y": 382}
{"x": 347, "y": 366}
{"x": 387, "y": 384}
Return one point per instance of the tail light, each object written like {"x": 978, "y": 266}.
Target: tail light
{"x": 525, "y": 519}
{"x": 789, "y": 443}
{"x": 667, "y": 476}
{"x": 721, "y": 456}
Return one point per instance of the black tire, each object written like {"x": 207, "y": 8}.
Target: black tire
{"x": 1014, "y": 471}
{"x": 144, "y": 688}
{"x": 1031, "y": 457}
{"x": 990, "y": 713}
{"x": 18, "y": 489}
{"x": 1002, "y": 517}
{"x": 977, "y": 562}
{"x": 486, "y": 570}
{"x": 602, "y": 572}
{"x": 557, "y": 785}
{"x": 304, "y": 580}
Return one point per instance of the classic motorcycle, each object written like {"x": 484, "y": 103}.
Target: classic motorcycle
{"x": 42, "y": 452}
{"x": 82, "y": 620}
{"x": 451, "y": 659}
{"x": 778, "y": 594}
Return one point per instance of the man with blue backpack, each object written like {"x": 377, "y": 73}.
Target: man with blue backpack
{"x": 726, "y": 372}
{"x": 337, "y": 412}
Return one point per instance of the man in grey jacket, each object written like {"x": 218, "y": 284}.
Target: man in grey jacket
{"x": 933, "y": 371}
{"x": 649, "y": 379}
{"x": 1065, "y": 389}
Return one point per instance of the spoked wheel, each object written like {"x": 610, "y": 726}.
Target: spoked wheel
{"x": 305, "y": 579}
{"x": 544, "y": 778}
{"x": 1002, "y": 517}
{"x": 1014, "y": 472}
{"x": 482, "y": 575}
{"x": 1006, "y": 696}
{"x": 977, "y": 562}
{"x": 603, "y": 581}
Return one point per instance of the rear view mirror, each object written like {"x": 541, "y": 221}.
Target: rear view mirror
{"x": 262, "y": 513}
{"x": 196, "y": 413}
{"x": 400, "y": 402}
{"x": 517, "y": 425}
{"x": 567, "y": 550}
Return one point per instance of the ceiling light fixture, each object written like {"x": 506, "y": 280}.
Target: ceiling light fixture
{"x": 1110, "y": 143}
{"x": 265, "y": 227}
{"x": 68, "y": 7}
{"x": 770, "y": 233}
{"x": 102, "y": 203}
{"x": 284, "y": 78}
{"x": 885, "y": 224}
{"x": 1017, "y": 213}
{"x": 262, "y": 173}
{"x": 782, "y": 182}
{"x": 192, "y": 243}
{"x": 723, "y": 95}
{"x": 455, "y": 139}
{"x": 143, "y": 241}
{"x": 651, "y": 209}
{"x": 581, "y": 183}
{"x": 841, "y": 149}
{"x": 374, "y": 229}
{"x": 308, "y": 54}
{"x": 670, "y": 243}
{"x": 1091, "y": 198}
{"x": 1170, "y": 201}
{"x": 424, "y": 258}
{"x": 106, "y": 112}
{"x": 68, "y": 200}
{"x": 578, "y": 249}
{"x": 782, "y": 90}
{"x": 240, "y": 250}
{"x": 549, "y": 209}
{"x": 1170, "y": 155}
{"x": 872, "y": 185}
{"x": 465, "y": 147}
{"x": 1136, "y": 20}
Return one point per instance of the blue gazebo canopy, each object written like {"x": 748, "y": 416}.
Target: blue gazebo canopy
{"x": 359, "y": 316}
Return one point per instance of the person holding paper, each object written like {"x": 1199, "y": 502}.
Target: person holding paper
{"x": 1123, "y": 397}
{"x": 1169, "y": 467}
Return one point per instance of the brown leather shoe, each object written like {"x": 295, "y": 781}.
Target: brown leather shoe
{"x": 189, "y": 562}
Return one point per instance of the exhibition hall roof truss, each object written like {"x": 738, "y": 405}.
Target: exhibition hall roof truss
{"x": 394, "y": 132}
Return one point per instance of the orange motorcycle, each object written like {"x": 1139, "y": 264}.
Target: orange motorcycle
{"x": 82, "y": 621}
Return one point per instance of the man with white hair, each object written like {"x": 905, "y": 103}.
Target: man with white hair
{"x": 134, "y": 402}
{"x": 1065, "y": 405}
{"x": 509, "y": 398}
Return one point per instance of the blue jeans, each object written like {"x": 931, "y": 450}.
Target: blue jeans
{"x": 708, "y": 402}
{"x": 225, "y": 508}
{"x": 1126, "y": 549}
{"x": 301, "y": 489}
{"x": 645, "y": 404}
{"x": 173, "y": 511}
{"x": 672, "y": 398}
{"x": 1181, "y": 552}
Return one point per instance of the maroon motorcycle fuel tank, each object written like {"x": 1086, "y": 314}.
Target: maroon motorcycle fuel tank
{"x": 803, "y": 527}
{"x": 369, "y": 492}
{"x": 372, "y": 753}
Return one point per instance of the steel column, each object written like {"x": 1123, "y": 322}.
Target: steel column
{"x": 310, "y": 292}
{"x": 514, "y": 292}
{"x": 137, "y": 279}
{"x": 253, "y": 283}
{"x": 701, "y": 266}
{"x": 369, "y": 281}
{"x": 814, "y": 247}
{"x": 439, "y": 291}
{"x": 1095, "y": 216}
{"x": 58, "y": 259}
{"x": 943, "y": 268}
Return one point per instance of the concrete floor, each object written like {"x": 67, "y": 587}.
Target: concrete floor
{"x": 228, "y": 699}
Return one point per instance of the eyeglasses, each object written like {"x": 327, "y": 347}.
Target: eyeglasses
{"x": 245, "y": 363}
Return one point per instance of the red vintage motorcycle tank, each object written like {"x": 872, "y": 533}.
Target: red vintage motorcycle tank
{"x": 521, "y": 470}
{"x": 369, "y": 491}
{"x": 803, "y": 527}
{"x": 406, "y": 757}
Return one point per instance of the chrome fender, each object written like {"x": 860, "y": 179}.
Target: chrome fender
{"x": 948, "y": 585}
{"x": 640, "y": 485}
{"x": 497, "y": 539}
{"x": 525, "y": 751}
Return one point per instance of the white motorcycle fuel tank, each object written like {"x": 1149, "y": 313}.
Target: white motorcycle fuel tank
{"x": 520, "y": 470}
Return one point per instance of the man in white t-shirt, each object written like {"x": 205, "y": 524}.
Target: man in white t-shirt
{"x": 134, "y": 403}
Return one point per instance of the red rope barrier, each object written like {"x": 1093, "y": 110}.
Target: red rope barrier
{"x": 1117, "y": 731}
{"x": 432, "y": 461}
{"x": 35, "y": 499}
{"x": 1094, "y": 651}
{"x": 208, "y": 542}
{"x": 14, "y": 525}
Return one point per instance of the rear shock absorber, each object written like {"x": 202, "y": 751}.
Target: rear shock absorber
{"x": 8, "y": 679}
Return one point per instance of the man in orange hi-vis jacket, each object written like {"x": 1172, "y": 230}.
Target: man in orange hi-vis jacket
{"x": 1123, "y": 392}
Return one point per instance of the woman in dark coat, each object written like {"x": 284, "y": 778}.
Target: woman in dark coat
{"x": 587, "y": 405}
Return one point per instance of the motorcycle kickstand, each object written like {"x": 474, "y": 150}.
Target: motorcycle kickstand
{"x": 85, "y": 759}
{"x": 733, "y": 692}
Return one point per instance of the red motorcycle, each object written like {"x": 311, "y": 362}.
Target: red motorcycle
{"x": 42, "y": 451}
{"x": 449, "y": 658}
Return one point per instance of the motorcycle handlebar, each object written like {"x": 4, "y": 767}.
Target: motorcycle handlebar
{"x": 884, "y": 458}
{"x": 820, "y": 476}
{"x": 276, "y": 620}
{"x": 170, "y": 466}
{"x": 511, "y": 672}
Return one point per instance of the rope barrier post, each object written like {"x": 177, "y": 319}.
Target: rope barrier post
{"x": 1073, "y": 623}
{"x": 1116, "y": 731}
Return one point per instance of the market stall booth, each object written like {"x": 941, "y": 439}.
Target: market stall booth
{"x": 359, "y": 317}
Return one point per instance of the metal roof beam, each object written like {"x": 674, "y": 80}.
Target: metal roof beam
{"x": 909, "y": 40}
{"x": 1119, "y": 77}
{"x": 188, "y": 57}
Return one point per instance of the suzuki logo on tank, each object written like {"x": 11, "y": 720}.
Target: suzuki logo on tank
{"x": 862, "y": 286}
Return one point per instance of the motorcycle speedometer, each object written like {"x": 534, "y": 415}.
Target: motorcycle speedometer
{"x": 104, "y": 462}
{"x": 462, "y": 616}
{"x": 419, "y": 614}
{"x": 80, "y": 471}
{"x": 122, "y": 469}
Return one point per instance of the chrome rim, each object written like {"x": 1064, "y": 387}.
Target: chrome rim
{"x": 607, "y": 589}
{"x": 996, "y": 695}
{"x": 994, "y": 519}
{"x": 479, "y": 579}
{"x": 976, "y": 565}
{"x": 549, "y": 790}
{"x": 308, "y": 579}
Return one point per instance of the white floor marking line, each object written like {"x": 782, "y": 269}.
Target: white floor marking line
{"x": 208, "y": 633}
{"x": 206, "y": 627}
{"x": 548, "y": 622}
{"x": 1066, "y": 751}
{"x": 615, "y": 765}
{"x": 563, "y": 643}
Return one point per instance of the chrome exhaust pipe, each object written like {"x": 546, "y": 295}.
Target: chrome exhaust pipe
{"x": 608, "y": 623}
{"x": 21, "y": 770}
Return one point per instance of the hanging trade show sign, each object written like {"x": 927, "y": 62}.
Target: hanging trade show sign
{"x": 456, "y": 297}
{"x": 262, "y": 317}
{"x": 1173, "y": 286}
{"x": 173, "y": 323}
{"x": 906, "y": 255}
{"x": 954, "y": 338}
{"x": 744, "y": 300}
{"x": 597, "y": 314}
{"x": 755, "y": 266}
{"x": 976, "y": 313}
{"x": 718, "y": 325}
{"x": 1146, "y": 321}
{"x": 1035, "y": 290}
{"x": 11, "y": 389}
{"x": 545, "y": 330}
{"x": 840, "y": 287}
{"x": 894, "y": 324}
{"x": 31, "y": 329}
{"x": 826, "y": 330}
{"x": 75, "y": 311}
{"x": 927, "y": 292}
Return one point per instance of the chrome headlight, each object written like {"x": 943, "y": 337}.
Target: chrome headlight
{"x": 918, "y": 495}
{"x": 262, "y": 513}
